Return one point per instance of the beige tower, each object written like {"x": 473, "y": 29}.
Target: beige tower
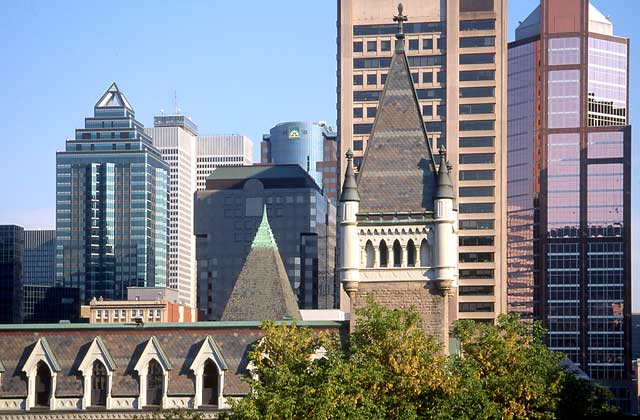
{"x": 398, "y": 217}
{"x": 457, "y": 59}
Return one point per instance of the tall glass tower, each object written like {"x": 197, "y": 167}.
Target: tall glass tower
{"x": 111, "y": 205}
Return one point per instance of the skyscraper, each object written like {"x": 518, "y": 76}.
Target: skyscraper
{"x": 191, "y": 159}
{"x": 39, "y": 257}
{"x": 569, "y": 157}
{"x": 456, "y": 51}
{"x": 11, "y": 261}
{"x": 227, "y": 215}
{"x": 312, "y": 145}
{"x": 111, "y": 205}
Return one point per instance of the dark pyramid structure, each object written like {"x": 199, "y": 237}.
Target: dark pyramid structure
{"x": 398, "y": 170}
{"x": 262, "y": 290}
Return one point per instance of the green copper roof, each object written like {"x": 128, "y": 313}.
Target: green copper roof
{"x": 264, "y": 236}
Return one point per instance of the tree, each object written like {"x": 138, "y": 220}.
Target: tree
{"x": 583, "y": 399}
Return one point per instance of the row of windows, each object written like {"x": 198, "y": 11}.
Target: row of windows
{"x": 385, "y": 45}
{"x": 434, "y": 27}
{"x": 476, "y": 208}
{"x": 385, "y": 62}
{"x": 475, "y": 307}
{"x": 479, "y": 175}
{"x": 475, "y": 290}
{"x": 372, "y": 79}
{"x": 475, "y": 257}
{"x": 476, "y": 240}
{"x": 481, "y": 191}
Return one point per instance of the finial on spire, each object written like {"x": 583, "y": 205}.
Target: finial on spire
{"x": 400, "y": 18}
{"x": 349, "y": 154}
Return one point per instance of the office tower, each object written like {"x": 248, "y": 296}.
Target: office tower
{"x": 11, "y": 261}
{"x": 39, "y": 257}
{"x": 175, "y": 137}
{"x": 111, "y": 205}
{"x": 221, "y": 150}
{"x": 312, "y": 145}
{"x": 569, "y": 158}
{"x": 227, "y": 216}
{"x": 456, "y": 51}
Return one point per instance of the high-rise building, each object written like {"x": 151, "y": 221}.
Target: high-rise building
{"x": 39, "y": 257}
{"x": 191, "y": 159}
{"x": 11, "y": 262}
{"x": 221, "y": 150}
{"x": 111, "y": 205}
{"x": 312, "y": 145}
{"x": 175, "y": 137}
{"x": 227, "y": 216}
{"x": 569, "y": 179}
{"x": 457, "y": 54}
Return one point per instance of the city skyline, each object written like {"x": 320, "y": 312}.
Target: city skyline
{"x": 218, "y": 99}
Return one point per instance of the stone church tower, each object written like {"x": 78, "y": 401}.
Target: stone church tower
{"x": 398, "y": 216}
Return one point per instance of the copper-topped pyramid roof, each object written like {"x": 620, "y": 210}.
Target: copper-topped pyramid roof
{"x": 398, "y": 173}
{"x": 262, "y": 290}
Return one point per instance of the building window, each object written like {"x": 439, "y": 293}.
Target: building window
{"x": 427, "y": 110}
{"x": 371, "y": 112}
{"x": 476, "y": 241}
{"x": 475, "y": 290}
{"x": 358, "y": 145}
{"x": 99, "y": 383}
{"x": 362, "y": 128}
{"x": 397, "y": 254}
{"x": 43, "y": 385}
{"x": 476, "y": 273}
{"x": 476, "y": 307}
{"x": 476, "y": 208}
{"x": 476, "y": 158}
{"x": 477, "y": 224}
{"x": 427, "y": 77}
{"x": 385, "y": 45}
{"x": 411, "y": 254}
{"x": 478, "y": 25}
{"x": 441, "y": 43}
{"x": 210, "y": 377}
{"x": 486, "y": 141}
{"x": 424, "y": 254}
{"x": 357, "y": 80}
{"x": 476, "y": 191}
{"x": 476, "y": 6}
{"x": 370, "y": 255}
{"x": 477, "y": 41}
{"x": 357, "y": 47}
{"x": 154, "y": 383}
{"x": 357, "y": 112}
{"x": 477, "y": 75}
{"x": 484, "y": 58}
{"x": 436, "y": 93}
{"x": 477, "y": 92}
{"x": 414, "y": 44}
{"x": 383, "y": 78}
{"x": 415, "y": 77}
{"x": 383, "y": 252}
{"x": 466, "y": 109}
{"x": 371, "y": 46}
{"x": 427, "y": 44}
{"x": 479, "y": 175}
{"x": 372, "y": 79}
{"x": 476, "y": 257}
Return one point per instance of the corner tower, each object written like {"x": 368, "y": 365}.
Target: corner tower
{"x": 398, "y": 216}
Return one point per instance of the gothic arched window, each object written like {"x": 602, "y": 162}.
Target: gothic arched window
{"x": 210, "y": 383}
{"x": 384, "y": 254}
{"x": 411, "y": 254}
{"x": 424, "y": 254}
{"x": 369, "y": 253}
{"x": 154, "y": 383}
{"x": 397, "y": 254}
{"x": 99, "y": 381}
{"x": 43, "y": 385}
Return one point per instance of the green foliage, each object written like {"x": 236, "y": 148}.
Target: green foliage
{"x": 175, "y": 414}
{"x": 390, "y": 369}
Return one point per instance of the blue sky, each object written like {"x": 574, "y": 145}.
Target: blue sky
{"x": 236, "y": 69}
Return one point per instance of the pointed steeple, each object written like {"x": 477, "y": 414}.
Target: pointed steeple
{"x": 262, "y": 290}
{"x": 400, "y": 18}
{"x": 445, "y": 186}
{"x": 349, "y": 187}
{"x": 398, "y": 172}
{"x": 113, "y": 98}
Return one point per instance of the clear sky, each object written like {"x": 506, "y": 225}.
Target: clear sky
{"x": 237, "y": 67}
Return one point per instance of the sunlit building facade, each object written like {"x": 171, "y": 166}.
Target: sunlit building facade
{"x": 111, "y": 198}
{"x": 569, "y": 179}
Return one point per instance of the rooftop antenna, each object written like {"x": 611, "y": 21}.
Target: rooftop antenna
{"x": 175, "y": 102}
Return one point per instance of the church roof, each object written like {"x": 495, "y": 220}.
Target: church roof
{"x": 397, "y": 173}
{"x": 262, "y": 290}
{"x": 113, "y": 98}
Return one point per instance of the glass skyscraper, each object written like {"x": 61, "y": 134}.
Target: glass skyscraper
{"x": 569, "y": 179}
{"x": 111, "y": 205}
{"x": 11, "y": 261}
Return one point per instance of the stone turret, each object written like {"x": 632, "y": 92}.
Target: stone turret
{"x": 444, "y": 217}
{"x": 349, "y": 264}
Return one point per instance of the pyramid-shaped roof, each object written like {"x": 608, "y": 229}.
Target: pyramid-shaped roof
{"x": 262, "y": 290}
{"x": 113, "y": 98}
{"x": 398, "y": 170}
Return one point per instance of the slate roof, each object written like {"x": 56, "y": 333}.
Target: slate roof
{"x": 397, "y": 173}
{"x": 262, "y": 290}
{"x": 125, "y": 343}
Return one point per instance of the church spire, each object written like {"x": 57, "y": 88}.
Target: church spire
{"x": 445, "y": 186}
{"x": 264, "y": 235}
{"x": 349, "y": 187}
{"x": 400, "y": 18}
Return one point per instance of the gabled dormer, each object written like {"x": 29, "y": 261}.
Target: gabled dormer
{"x": 41, "y": 368}
{"x": 97, "y": 367}
{"x": 209, "y": 367}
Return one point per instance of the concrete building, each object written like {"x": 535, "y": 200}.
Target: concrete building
{"x": 11, "y": 262}
{"x": 457, "y": 54}
{"x": 219, "y": 151}
{"x": 312, "y": 145}
{"x": 569, "y": 200}
{"x": 144, "y": 304}
{"x": 111, "y": 205}
{"x": 398, "y": 218}
{"x": 228, "y": 214}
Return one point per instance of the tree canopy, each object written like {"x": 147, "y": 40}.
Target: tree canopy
{"x": 388, "y": 368}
